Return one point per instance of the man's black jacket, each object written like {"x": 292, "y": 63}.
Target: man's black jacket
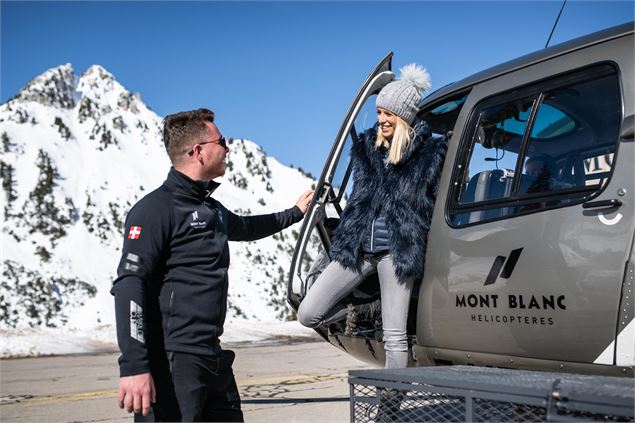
{"x": 171, "y": 286}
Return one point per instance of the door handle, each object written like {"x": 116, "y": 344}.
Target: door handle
{"x": 322, "y": 196}
{"x": 602, "y": 204}
{"x": 628, "y": 128}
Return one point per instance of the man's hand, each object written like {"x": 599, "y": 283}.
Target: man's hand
{"x": 136, "y": 393}
{"x": 305, "y": 200}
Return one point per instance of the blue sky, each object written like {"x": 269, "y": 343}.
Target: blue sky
{"x": 280, "y": 73}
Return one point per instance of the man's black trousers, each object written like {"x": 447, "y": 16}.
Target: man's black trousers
{"x": 193, "y": 388}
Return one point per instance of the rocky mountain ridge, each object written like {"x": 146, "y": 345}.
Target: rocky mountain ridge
{"x": 76, "y": 153}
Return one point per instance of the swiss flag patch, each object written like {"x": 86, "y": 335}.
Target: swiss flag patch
{"x": 135, "y": 232}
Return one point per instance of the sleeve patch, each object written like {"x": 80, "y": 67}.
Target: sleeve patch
{"x": 131, "y": 267}
{"x": 132, "y": 262}
{"x": 136, "y": 322}
{"x": 132, "y": 257}
{"x": 134, "y": 232}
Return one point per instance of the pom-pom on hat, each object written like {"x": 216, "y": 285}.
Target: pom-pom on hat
{"x": 402, "y": 97}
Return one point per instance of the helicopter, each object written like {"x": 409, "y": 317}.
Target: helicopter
{"x": 522, "y": 271}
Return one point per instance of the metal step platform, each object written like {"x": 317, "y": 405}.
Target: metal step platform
{"x": 484, "y": 394}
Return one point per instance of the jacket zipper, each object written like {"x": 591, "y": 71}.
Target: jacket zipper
{"x": 372, "y": 235}
{"x": 170, "y": 307}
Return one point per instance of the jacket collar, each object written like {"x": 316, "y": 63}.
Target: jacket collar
{"x": 181, "y": 183}
{"x": 422, "y": 131}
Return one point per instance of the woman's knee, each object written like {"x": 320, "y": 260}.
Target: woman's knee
{"x": 306, "y": 317}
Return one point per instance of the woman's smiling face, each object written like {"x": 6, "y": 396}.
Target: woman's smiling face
{"x": 387, "y": 122}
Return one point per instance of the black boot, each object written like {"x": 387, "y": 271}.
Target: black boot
{"x": 389, "y": 409}
{"x": 365, "y": 315}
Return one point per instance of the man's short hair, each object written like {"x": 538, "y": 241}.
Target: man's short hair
{"x": 183, "y": 129}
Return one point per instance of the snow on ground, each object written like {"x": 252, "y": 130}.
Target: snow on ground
{"x": 38, "y": 342}
{"x": 76, "y": 153}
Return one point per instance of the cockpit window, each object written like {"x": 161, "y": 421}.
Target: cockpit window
{"x": 449, "y": 106}
{"x": 553, "y": 147}
{"x": 442, "y": 117}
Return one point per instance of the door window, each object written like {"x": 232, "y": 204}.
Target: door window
{"x": 315, "y": 256}
{"x": 314, "y": 240}
{"x": 569, "y": 134}
{"x": 523, "y": 160}
{"x": 342, "y": 180}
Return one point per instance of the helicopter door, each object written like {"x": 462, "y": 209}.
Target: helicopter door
{"x": 335, "y": 184}
{"x": 539, "y": 222}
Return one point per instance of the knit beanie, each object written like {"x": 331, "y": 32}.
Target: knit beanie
{"x": 402, "y": 97}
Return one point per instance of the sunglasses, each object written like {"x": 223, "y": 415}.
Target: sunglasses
{"x": 221, "y": 141}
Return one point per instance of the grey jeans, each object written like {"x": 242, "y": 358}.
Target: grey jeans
{"x": 324, "y": 304}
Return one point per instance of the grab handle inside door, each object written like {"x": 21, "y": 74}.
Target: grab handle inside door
{"x": 603, "y": 204}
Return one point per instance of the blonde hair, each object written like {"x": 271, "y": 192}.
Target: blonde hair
{"x": 401, "y": 140}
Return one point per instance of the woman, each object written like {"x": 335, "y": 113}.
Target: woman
{"x": 385, "y": 224}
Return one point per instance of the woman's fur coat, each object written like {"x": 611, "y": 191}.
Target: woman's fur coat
{"x": 406, "y": 191}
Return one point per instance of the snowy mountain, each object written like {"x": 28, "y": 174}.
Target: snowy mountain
{"x": 75, "y": 154}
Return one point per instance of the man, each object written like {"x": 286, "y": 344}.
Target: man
{"x": 171, "y": 289}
